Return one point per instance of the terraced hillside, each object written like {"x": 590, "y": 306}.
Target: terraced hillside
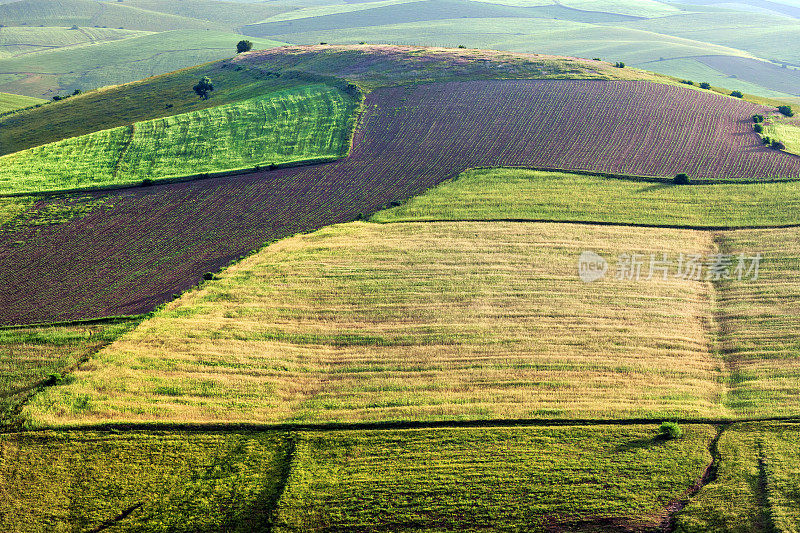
{"x": 409, "y": 139}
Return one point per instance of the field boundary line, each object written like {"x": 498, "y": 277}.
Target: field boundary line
{"x": 583, "y": 222}
{"x": 367, "y": 426}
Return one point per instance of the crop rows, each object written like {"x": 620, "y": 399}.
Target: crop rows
{"x": 148, "y": 244}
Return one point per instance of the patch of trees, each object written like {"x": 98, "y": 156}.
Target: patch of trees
{"x": 619, "y": 64}
{"x": 737, "y": 94}
{"x": 786, "y": 110}
{"x": 705, "y": 85}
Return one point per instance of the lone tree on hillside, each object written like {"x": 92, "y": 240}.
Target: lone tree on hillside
{"x": 204, "y": 87}
{"x": 681, "y": 179}
{"x": 243, "y": 46}
{"x": 786, "y": 110}
{"x": 705, "y": 85}
{"x": 737, "y": 94}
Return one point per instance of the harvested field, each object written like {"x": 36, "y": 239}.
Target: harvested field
{"x": 147, "y": 244}
{"x": 428, "y": 321}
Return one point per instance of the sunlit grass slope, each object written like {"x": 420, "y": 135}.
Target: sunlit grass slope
{"x": 490, "y": 194}
{"x": 37, "y": 356}
{"x": 757, "y": 485}
{"x": 160, "y": 481}
{"x": 415, "y": 322}
{"x": 160, "y": 96}
{"x": 12, "y": 102}
{"x": 522, "y": 479}
{"x": 285, "y": 126}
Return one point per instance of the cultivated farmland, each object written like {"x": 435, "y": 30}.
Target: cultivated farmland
{"x": 408, "y": 140}
{"x": 292, "y": 125}
{"x": 464, "y": 479}
{"x": 415, "y": 321}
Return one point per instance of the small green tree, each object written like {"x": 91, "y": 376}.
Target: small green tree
{"x": 705, "y": 85}
{"x": 737, "y": 94}
{"x": 786, "y": 110}
{"x": 758, "y": 118}
{"x": 670, "y": 430}
{"x": 619, "y": 64}
{"x": 204, "y": 87}
{"x": 681, "y": 179}
{"x": 243, "y": 46}
{"x": 758, "y": 128}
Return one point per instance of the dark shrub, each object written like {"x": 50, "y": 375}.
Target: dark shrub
{"x": 758, "y": 128}
{"x": 766, "y": 140}
{"x": 687, "y": 82}
{"x": 461, "y": 46}
{"x": 670, "y": 430}
{"x": 54, "y": 379}
{"x": 737, "y": 94}
{"x": 619, "y": 64}
{"x": 596, "y": 59}
{"x": 147, "y": 182}
{"x": 705, "y": 85}
{"x": 208, "y": 276}
{"x": 786, "y": 110}
{"x": 777, "y": 145}
{"x": 758, "y": 118}
{"x": 681, "y": 179}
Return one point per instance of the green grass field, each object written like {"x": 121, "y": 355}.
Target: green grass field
{"x": 533, "y": 195}
{"x": 415, "y": 322}
{"x": 784, "y": 130}
{"x": 757, "y": 487}
{"x": 285, "y": 126}
{"x": 166, "y": 481}
{"x": 13, "y": 102}
{"x": 113, "y": 62}
{"x": 157, "y": 97}
{"x": 33, "y": 357}
{"x": 431, "y": 480}
{"x": 525, "y": 479}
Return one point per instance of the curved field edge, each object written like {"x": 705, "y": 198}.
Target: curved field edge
{"x": 312, "y": 122}
{"x": 408, "y": 139}
{"x": 327, "y": 481}
{"x": 535, "y": 195}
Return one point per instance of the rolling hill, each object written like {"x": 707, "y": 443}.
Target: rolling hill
{"x": 113, "y": 62}
{"x": 92, "y": 13}
{"x": 402, "y": 339}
